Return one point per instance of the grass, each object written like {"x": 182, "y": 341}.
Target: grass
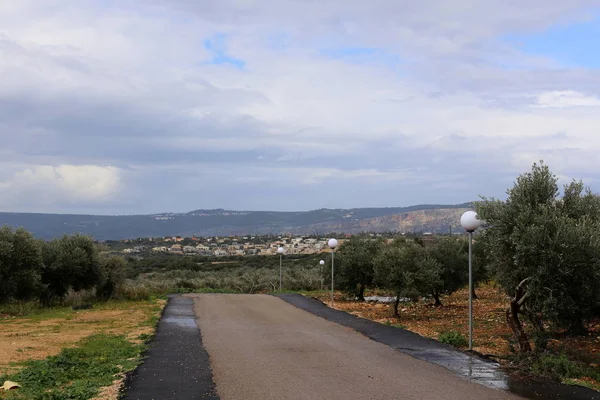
{"x": 33, "y": 309}
{"x": 39, "y": 344}
{"x": 561, "y": 367}
{"x": 76, "y": 373}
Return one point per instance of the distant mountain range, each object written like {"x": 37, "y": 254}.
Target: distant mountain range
{"x": 419, "y": 218}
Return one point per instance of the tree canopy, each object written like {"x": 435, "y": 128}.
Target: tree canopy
{"x": 545, "y": 252}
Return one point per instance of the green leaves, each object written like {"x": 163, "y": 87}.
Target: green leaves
{"x": 20, "y": 264}
{"x": 31, "y": 268}
{"x": 553, "y": 241}
{"x": 356, "y": 263}
{"x": 70, "y": 262}
{"x": 451, "y": 254}
{"x": 402, "y": 267}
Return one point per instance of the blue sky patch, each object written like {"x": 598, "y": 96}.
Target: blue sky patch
{"x": 575, "y": 45}
{"x": 218, "y": 46}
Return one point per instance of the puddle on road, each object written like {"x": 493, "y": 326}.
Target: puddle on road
{"x": 182, "y": 322}
{"x": 471, "y": 367}
{"x": 180, "y": 313}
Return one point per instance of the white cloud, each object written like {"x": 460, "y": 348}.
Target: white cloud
{"x": 567, "y": 98}
{"x": 134, "y": 86}
{"x": 44, "y": 184}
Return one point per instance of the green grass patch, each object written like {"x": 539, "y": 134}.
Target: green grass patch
{"x": 453, "y": 338}
{"x": 559, "y": 367}
{"x": 76, "y": 373}
{"x": 588, "y": 385}
{"x": 34, "y": 310}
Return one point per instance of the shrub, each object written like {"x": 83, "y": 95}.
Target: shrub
{"x": 556, "y": 367}
{"x": 453, "y": 338}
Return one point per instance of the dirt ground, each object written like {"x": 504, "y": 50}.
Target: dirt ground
{"x": 45, "y": 334}
{"x": 491, "y": 334}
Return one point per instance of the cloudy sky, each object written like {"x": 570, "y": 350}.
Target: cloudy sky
{"x": 143, "y": 106}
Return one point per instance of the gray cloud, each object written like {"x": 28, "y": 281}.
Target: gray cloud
{"x": 130, "y": 98}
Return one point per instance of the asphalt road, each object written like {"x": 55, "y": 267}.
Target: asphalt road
{"x": 177, "y": 366}
{"x": 261, "y": 347}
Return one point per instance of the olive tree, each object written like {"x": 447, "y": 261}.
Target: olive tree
{"x": 20, "y": 264}
{"x": 405, "y": 268}
{"x": 545, "y": 252}
{"x": 113, "y": 270}
{"x": 452, "y": 256}
{"x": 70, "y": 262}
{"x": 356, "y": 264}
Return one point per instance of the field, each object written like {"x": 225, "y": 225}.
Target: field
{"x": 492, "y": 336}
{"x": 46, "y": 333}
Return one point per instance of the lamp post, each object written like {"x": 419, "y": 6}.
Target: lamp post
{"x": 280, "y": 251}
{"x": 321, "y": 263}
{"x": 470, "y": 222}
{"x": 332, "y": 245}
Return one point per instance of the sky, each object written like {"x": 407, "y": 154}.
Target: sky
{"x": 148, "y": 106}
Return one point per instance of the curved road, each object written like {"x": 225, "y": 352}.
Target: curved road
{"x": 261, "y": 347}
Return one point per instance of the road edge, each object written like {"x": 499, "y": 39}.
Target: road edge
{"x": 466, "y": 365}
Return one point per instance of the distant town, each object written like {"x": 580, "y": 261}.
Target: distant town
{"x": 233, "y": 245}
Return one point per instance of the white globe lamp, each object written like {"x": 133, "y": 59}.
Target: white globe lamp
{"x": 469, "y": 221}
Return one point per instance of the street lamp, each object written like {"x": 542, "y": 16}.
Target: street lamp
{"x": 321, "y": 263}
{"x": 332, "y": 245}
{"x": 280, "y": 251}
{"x": 470, "y": 222}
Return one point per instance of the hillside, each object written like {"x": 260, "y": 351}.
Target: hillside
{"x": 420, "y": 218}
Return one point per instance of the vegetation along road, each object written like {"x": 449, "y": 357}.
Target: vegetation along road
{"x": 261, "y": 347}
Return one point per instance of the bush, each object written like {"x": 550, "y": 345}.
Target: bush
{"x": 20, "y": 265}
{"x": 113, "y": 275}
{"x": 70, "y": 262}
{"x": 557, "y": 367}
{"x": 453, "y": 338}
{"x": 185, "y": 284}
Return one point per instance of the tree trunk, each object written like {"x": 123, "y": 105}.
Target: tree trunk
{"x": 437, "y": 303}
{"x": 396, "y": 304}
{"x": 512, "y": 317}
{"x": 474, "y": 294}
{"x": 361, "y": 292}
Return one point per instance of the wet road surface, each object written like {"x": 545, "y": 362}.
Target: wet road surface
{"x": 261, "y": 347}
{"x": 177, "y": 366}
{"x": 472, "y": 367}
